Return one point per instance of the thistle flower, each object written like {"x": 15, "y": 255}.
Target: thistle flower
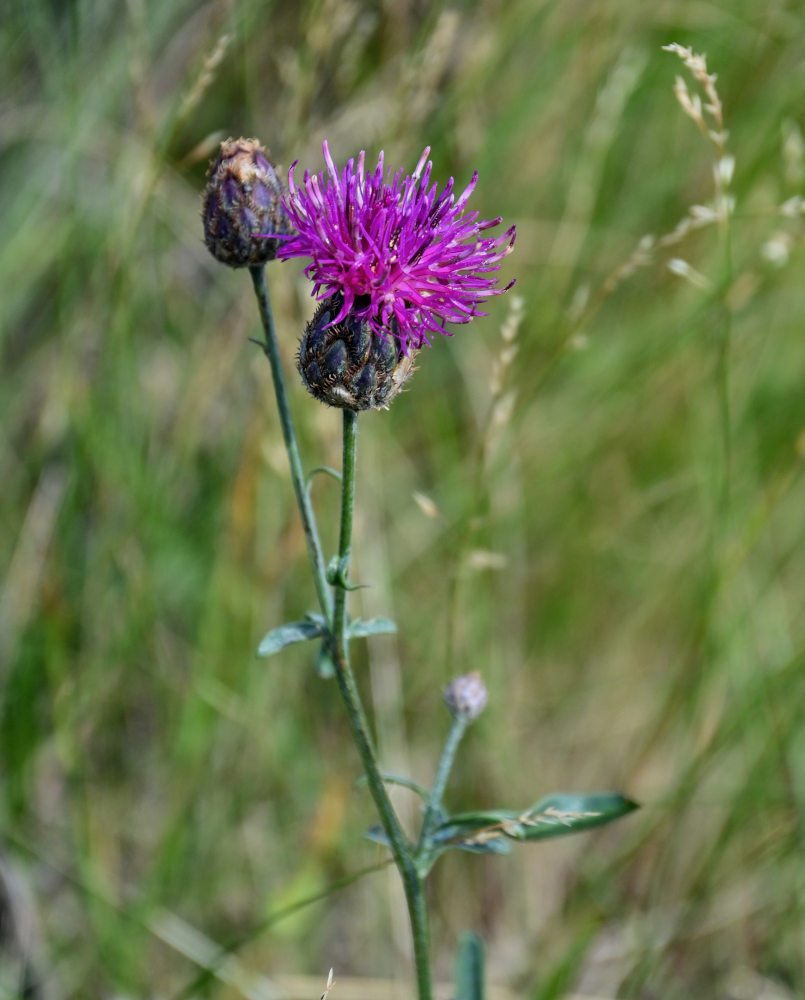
{"x": 243, "y": 200}
{"x": 346, "y": 364}
{"x": 405, "y": 258}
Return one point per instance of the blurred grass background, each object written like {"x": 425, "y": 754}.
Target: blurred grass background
{"x": 164, "y": 793}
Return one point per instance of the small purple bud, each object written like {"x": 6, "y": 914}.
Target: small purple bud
{"x": 242, "y": 204}
{"x": 466, "y": 696}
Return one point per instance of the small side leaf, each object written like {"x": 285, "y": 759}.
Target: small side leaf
{"x": 374, "y": 626}
{"x": 285, "y": 635}
{"x": 470, "y": 968}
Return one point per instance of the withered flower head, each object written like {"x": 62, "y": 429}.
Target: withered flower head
{"x": 243, "y": 210}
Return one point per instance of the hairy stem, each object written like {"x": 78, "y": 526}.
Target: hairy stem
{"x": 349, "y": 458}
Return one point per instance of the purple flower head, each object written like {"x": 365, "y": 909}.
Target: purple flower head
{"x": 394, "y": 248}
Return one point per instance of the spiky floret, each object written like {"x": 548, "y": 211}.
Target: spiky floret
{"x": 405, "y": 258}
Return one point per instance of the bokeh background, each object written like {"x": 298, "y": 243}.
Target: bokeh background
{"x": 609, "y": 525}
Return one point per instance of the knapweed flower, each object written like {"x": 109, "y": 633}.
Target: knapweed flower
{"x": 243, "y": 200}
{"x": 403, "y": 257}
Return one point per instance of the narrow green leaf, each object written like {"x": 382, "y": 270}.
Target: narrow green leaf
{"x": 470, "y": 968}
{"x": 554, "y": 816}
{"x": 561, "y": 813}
{"x": 284, "y": 635}
{"x": 374, "y": 626}
{"x": 483, "y": 817}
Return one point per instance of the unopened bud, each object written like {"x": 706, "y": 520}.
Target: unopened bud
{"x": 242, "y": 204}
{"x": 466, "y": 696}
{"x": 346, "y": 364}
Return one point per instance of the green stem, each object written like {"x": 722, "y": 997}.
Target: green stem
{"x": 400, "y": 848}
{"x": 347, "y": 508}
{"x": 433, "y": 808}
{"x": 271, "y": 350}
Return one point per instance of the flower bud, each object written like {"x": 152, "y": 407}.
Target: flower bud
{"x": 347, "y": 364}
{"x": 243, "y": 201}
{"x": 466, "y": 696}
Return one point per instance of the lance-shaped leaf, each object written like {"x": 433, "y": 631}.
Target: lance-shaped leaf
{"x": 285, "y": 635}
{"x": 470, "y": 968}
{"x": 374, "y": 626}
{"x": 554, "y": 816}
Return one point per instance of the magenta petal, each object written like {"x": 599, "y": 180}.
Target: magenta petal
{"x": 394, "y": 248}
